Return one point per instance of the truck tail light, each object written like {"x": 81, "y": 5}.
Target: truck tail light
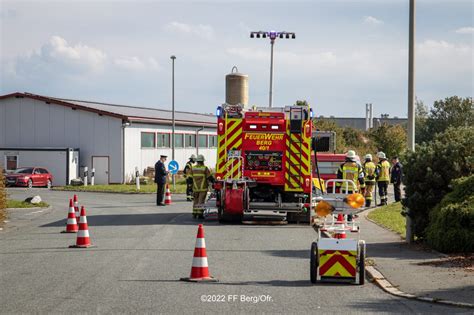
{"x": 221, "y": 126}
{"x": 307, "y": 182}
{"x": 307, "y": 130}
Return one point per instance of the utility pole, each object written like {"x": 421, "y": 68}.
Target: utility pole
{"x": 411, "y": 101}
{"x": 172, "y": 114}
{"x": 273, "y": 36}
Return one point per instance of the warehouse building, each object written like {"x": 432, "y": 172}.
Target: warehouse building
{"x": 112, "y": 139}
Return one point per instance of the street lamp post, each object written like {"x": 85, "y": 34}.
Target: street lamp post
{"x": 172, "y": 114}
{"x": 273, "y": 36}
{"x": 411, "y": 101}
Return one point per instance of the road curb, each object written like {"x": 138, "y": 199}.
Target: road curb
{"x": 376, "y": 276}
{"x": 113, "y": 192}
{"x": 31, "y": 208}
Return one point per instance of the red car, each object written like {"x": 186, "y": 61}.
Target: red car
{"x": 29, "y": 177}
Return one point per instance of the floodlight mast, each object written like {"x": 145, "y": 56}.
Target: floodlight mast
{"x": 273, "y": 35}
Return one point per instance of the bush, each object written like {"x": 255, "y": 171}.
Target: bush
{"x": 451, "y": 227}
{"x": 430, "y": 169}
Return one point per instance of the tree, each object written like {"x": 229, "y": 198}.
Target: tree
{"x": 430, "y": 169}
{"x": 391, "y": 139}
{"x": 451, "y": 112}
{"x": 421, "y": 115}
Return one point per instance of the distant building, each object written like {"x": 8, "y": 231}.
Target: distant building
{"x": 359, "y": 123}
{"x": 113, "y": 139}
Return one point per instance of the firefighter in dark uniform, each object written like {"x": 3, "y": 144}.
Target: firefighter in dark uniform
{"x": 189, "y": 179}
{"x": 396, "y": 178}
{"x": 160, "y": 179}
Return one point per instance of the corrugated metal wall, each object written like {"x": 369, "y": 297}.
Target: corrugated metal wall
{"x": 28, "y": 123}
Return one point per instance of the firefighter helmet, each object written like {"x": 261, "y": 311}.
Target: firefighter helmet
{"x": 200, "y": 158}
{"x": 351, "y": 154}
{"x": 192, "y": 157}
{"x": 368, "y": 157}
{"x": 381, "y": 155}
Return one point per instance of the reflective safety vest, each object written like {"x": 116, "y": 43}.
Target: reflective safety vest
{"x": 369, "y": 172}
{"x": 383, "y": 171}
{"x": 187, "y": 169}
{"x": 200, "y": 174}
{"x": 350, "y": 170}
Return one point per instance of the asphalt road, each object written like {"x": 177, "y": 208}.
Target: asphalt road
{"x": 141, "y": 252}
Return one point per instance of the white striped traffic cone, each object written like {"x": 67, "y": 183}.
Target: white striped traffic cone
{"x": 71, "y": 225}
{"x": 83, "y": 240}
{"x": 167, "y": 195}
{"x": 200, "y": 268}
{"x": 76, "y": 207}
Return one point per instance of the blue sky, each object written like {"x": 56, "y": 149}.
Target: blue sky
{"x": 346, "y": 53}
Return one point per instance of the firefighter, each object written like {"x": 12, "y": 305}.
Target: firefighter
{"x": 201, "y": 176}
{"x": 369, "y": 179}
{"x": 189, "y": 179}
{"x": 396, "y": 175}
{"x": 383, "y": 177}
{"x": 352, "y": 170}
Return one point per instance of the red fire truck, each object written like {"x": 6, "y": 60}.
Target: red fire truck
{"x": 263, "y": 166}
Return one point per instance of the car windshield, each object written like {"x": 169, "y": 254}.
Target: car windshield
{"x": 24, "y": 170}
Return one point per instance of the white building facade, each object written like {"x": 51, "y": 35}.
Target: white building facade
{"x": 112, "y": 139}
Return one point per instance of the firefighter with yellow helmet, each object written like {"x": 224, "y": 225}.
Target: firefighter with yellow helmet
{"x": 369, "y": 169}
{"x": 383, "y": 177}
{"x": 201, "y": 176}
{"x": 350, "y": 169}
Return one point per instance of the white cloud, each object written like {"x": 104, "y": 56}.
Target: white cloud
{"x": 136, "y": 64}
{"x": 58, "y": 59}
{"x": 201, "y": 30}
{"x": 465, "y": 30}
{"x": 372, "y": 20}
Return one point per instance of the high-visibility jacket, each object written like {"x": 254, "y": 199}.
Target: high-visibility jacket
{"x": 369, "y": 172}
{"x": 349, "y": 170}
{"x": 383, "y": 171}
{"x": 200, "y": 174}
{"x": 187, "y": 169}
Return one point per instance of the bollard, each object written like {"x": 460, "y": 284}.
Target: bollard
{"x": 92, "y": 176}
{"x": 137, "y": 178}
{"x": 85, "y": 175}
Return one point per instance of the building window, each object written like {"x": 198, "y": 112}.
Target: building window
{"x": 202, "y": 141}
{"x": 190, "y": 140}
{"x": 163, "y": 140}
{"x": 178, "y": 140}
{"x": 212, "y": 141}
{"x": 11, "y": 162}
{"x": 148, "y": 140}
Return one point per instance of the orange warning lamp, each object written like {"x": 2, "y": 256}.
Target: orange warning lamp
{"x": 355, "y": 200}
{"x": 324, "y": 208}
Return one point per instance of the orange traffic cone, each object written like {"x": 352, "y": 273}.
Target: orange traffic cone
{"x": 341, "y": 231}
{"x": 83, "y": 239}
{"x": 71, "y": 225}
{"x": 200, "y": 268}
{"x": 76, "y": 207}
{"x": 167, "y": 195}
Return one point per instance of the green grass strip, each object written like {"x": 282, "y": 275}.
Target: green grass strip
{"x": 390, "y": 217}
